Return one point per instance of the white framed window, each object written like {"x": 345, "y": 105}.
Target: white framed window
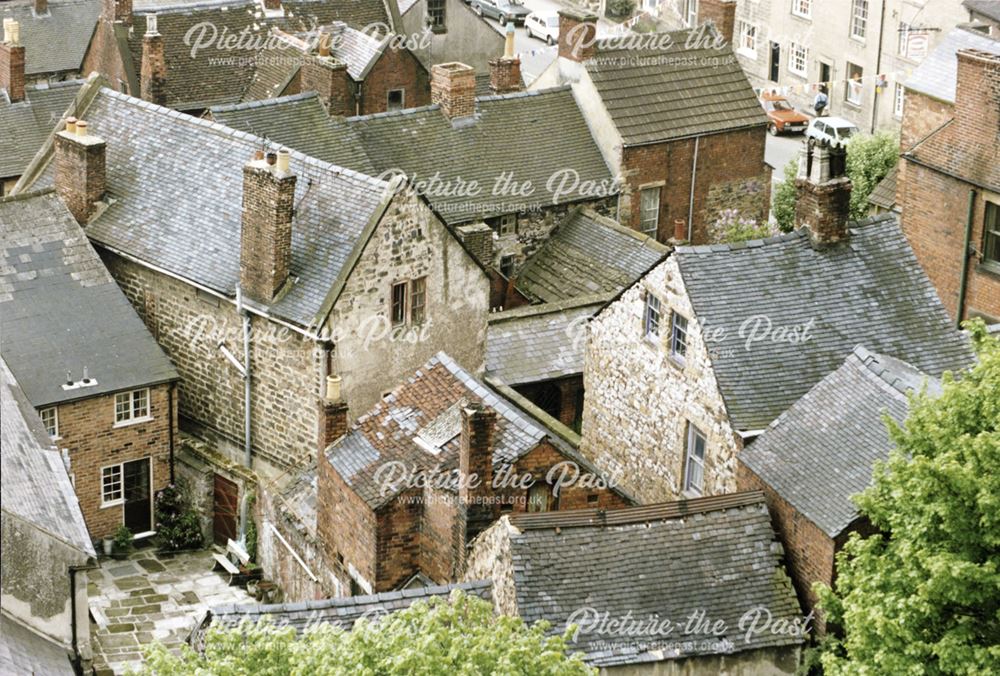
{"x": 802, "y": 8}
{"x": 859, "y": 19}
{"x": 747, "y": 44}
{"x": 111, "y": 486}
{"x": 131, "y": 406}
{"x": 678, "y": 337}
{"x": 649, "y": 211}
{"x": 508, "y": 224}
{"x": 853, "y": 88}
{"x": 50, "y": 418}
{"x": 691, "y": 13}
{"x": 798, "y": 59}
{"x": 408, "y": 302}
{"x": 694, "y": 461}
{"x": 897, "y": 101}
{"x": 651, "y": 317}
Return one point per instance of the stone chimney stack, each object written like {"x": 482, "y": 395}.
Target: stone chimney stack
{"x": 977, "y": 98}
{"x": 577, "y": 34}
{"x": 505, "y": 72}
{"x": 478, "y": 239}
{"x": 117, "y": 11}
{"x": 12, "y": 61}
{"x": 332, "y": 414}
{"x": 153, "y": 79}
{"x": 722, "y": 14}
{"x": 475, "y": 464}
{"x": 41, "y": 7}
{"x": 326, "y": 76}
{"x": 266, "y": 234}
{"x": 80, "y": 170}
{"x": 453, "y": 87}
{"x": 823, "y": 200}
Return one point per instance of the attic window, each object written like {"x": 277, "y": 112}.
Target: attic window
{"x": 395, "y": 99}
{"x": 436, "y": 15}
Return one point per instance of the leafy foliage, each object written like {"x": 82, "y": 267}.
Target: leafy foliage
{"x": 735, "y": 228}
{"x": 924, "y": 598}
{"x": 459, "y": 635}
{"x": 124, "y": 542}
{"x": 869, "y": 159}
{"x": 783, "y": 203}
{"x": 621, "y": 8}
{"x": 178, "y": 525}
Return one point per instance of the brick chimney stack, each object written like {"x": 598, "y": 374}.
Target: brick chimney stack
{"x": 117, "y": 11}
{"x": 505, "y": 72}
{"x": 577, "y": 34}
{"x": 12, "y": 61}
{"x": 977, "y": 98}
{"x": 80, "y": 172}
{"x": 722, "y": 14}
{"x": 453, "y": 87}
{"x": 332, "y": 414}
{"x": 153, "y": 79}
{"x": 475, "y": 460}
{"x": 478, "y": 239}
{"x": 266, "y": 233}
{"x": 823, "y": 200}
{"x": 326, "y": 76}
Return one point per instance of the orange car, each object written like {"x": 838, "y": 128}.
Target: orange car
{"x": 781, "y": 116}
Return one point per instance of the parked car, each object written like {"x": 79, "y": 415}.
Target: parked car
{"x": 502, "y": 10}
{"x": 543, "y": 26}
{"x": 781, "y": 116}
{"x": 832, "y": 130}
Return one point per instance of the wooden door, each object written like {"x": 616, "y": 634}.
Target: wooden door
{"x": 226, "y": 510}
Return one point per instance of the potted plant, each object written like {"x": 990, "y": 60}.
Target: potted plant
{"x": 123, "y": 542}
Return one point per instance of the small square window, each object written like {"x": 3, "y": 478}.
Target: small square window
{"x": 649, "y": 208}
{"x": 50, "y": 418}
{"x": 651, "y": 317}
{"x": 436, "y": 13}
{"x": 418, "y": 299}
{"x": 678, "y": 337}
{"x": 798, "y": 59}
{"x": 853, "y": 88}
{"x": 132, "y": 405}
{"x": 507, "y": 225}
{"x": 747, "y": 33}
{"x": 507, "y": 263}
{"x": 694, "y": 461}
{"x": 802, "y": 8}
{"x": 395, "y": 100}
{"x": 111, "y": 484}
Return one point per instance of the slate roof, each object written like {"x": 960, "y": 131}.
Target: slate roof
{"x": 714, "y": 555}
{"x": 63, "y": 311}
{"x": 56, "y": 42}
{"x": 988, "y": 8}
{"x": 658, "y": 94}
{"x": 300, "y": 122}
{"x": 868, "y": 290}
{"x": 530, "y": 135}
{"x": 539, "y": 342}
{"x": 359, "y": 50}
{"x": 25, "y": 125}
{"x": 937, "y": 74}
{"x": 821, "y": 451}
{"x": 884, "y": 194}
{"x": 427, "y": 406}
{"x": 176, "y": 185}
{"x": 339, "y": 612}
{"x": 22, "y": 651}
{"x": 217, "y": 76}
{"x": 588, "y": 254}
{"x": 36, "y": 486}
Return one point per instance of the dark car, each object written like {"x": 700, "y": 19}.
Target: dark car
{"x": 502, "y": 10}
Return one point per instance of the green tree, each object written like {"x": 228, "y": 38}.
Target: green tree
{"x": 869, "y": 159}
{"x": 924, "y": 597}
{"x": 459, "y": 635}
{"x": 783, "y": 203}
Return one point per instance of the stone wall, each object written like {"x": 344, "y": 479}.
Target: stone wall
{"x": 640, "y": 400}
{"x": 761, "y": 662}
{"x": 489, "y": 558}
{"x": 87, "y": 428}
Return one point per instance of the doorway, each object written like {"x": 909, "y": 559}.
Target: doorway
{"x": 775, "y": 61}
{"x": 825, "y": 72}
{"x": 138, "y": 496}
{"x": 226, "y": 506}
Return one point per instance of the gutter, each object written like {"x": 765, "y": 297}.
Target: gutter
{"x": 966, "y": 254}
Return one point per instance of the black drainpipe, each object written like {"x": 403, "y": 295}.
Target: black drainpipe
{"x": 170, "y": 427}
{"x": 963, "y": 283}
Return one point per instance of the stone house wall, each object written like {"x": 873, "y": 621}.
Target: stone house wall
{"x": 87, "y": 428}
{"x": 731, "y": 174}
{"x": 640, "y": 401}
{"x": 490, "y": 558}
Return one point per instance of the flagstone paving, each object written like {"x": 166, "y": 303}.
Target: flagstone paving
{"x": 152, "y": 597}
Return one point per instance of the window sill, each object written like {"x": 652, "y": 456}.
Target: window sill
{"x": 113, "y": 503}
{"x": 133, "y": 421}
{"x": 803, "y": 17}
{"x": 860, "y": 41}
{"x": 989, "y": 268}
{"x": 852, "y": 104}
{"x": 689, "y": 494}
{"x": 677, "y": 361}
{"x": 801, "y": 76}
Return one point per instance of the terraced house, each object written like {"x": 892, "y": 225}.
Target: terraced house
{"x": 264, "y": 275}
{"x": 697, "y": 358}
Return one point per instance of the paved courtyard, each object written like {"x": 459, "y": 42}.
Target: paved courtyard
{"x": 151, "y": 597}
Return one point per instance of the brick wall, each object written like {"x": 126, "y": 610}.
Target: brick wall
{"x": 104, "y": 57}
{"x": 453, "y": 86}
{"x": 329, "y": 79}
{"x": 731, "y": 174}
{"x": 345, "y": 525}
{"x": 87, "y": 428}
{"x": 395, "y": 69}
{"x": 935, "y": 228}
{"x": 539, "y": 462}
{"x": 640, "y": 401}
{"x": 399, "y": 547}
{"x": 12, "y": 71}
{"x": 153, "y": 70}
{"x": 921, "y": 115}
